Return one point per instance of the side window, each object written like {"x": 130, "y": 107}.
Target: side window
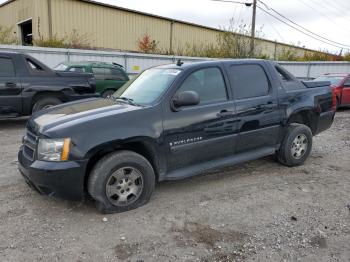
{"x": 99, "y": 73}
{"x": 208, "y": 83}
{"x": 7, "y": 68}
{"x": 77, "y": 69}
{"x": 115, "y": 74}
{"x": 347, "y": 82}
{"x": 248, "y": 81}
{"x": 283, "y": 74}
{"x": 34, "y": 66}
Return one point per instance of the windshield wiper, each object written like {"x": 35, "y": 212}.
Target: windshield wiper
{"x": 125, "y": 99}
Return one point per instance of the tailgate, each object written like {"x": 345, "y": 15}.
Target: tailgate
{"x": 313, "y": 84}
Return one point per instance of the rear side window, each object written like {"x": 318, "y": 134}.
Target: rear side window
{"x": 208, "y": 83}
{"x": 34, "y": 66}
{"x": 283, "y": 74}
{"x": 7, "y": 68}
{"x": 347, "y": 82}
{"x": 248, "y": 81}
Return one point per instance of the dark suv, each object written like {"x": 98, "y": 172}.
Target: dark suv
{"x": 172, "y": 122}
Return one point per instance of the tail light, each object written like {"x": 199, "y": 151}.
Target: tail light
{"x": 334, "y": 98}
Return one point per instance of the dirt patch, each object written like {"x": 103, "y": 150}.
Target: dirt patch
{"x": 13, "y": 213}
{"x": 318, "y": 241}
{"x": 124, "y": 251}
{"x": 204, "y": 234}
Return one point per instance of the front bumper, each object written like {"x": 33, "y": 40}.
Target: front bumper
{"x": 63, "y": 180}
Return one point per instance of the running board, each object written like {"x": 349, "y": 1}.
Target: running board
{"x": 219, "y": 163}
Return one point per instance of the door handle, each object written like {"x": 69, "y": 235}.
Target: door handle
{"x": 268, "y": 105}
{"x": 224, "y": 113}
{"x": 10, "y": 84}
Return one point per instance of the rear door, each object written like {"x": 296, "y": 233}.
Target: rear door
{"x": 115, "y": 77}
{"x": 345, "y": 97}
{"x": 108, "y": 78}
{"x": 10, "y": 88}
{"x": 99, "y": 74}
{"x": 258, "y": 116}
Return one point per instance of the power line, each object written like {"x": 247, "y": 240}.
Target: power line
{"x": 328, "y": 6}
{"x": 234, "y": 2}
{"x": 274, "y": 28}
{"x": 262, "y": 9}
{"x": 324, "y": 38}
{"x": 322, "y": 14}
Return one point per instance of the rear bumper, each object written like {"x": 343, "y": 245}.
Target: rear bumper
{"x": 325, "y": 121}
{"x": 63, "y": 180}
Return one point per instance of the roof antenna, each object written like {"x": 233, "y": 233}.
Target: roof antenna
{"x": 179, "y": 62}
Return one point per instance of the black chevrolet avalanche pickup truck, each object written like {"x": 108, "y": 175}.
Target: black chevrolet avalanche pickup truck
{"x": 172, "y": 122}
{"x": 27, "y": 85}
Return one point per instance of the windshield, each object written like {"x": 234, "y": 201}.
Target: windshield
{"x": 60, "y": 67}
{"x": 335, "y": 80}
{"x": 148, "y": 86}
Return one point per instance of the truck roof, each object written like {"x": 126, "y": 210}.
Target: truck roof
{"x": 190, "y": 64}
{"x": 8, "y": 52}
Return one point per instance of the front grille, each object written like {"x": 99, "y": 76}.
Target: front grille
{"x": 29, "y": 145}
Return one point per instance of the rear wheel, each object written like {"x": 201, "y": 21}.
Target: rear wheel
{"x": 44, "y": 103}
{"x": 121, "y": 181}
{"x": 296, "y": 145}
{"x": 107, "y": 93}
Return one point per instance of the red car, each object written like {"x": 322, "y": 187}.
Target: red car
{"x": 341, "y": 85}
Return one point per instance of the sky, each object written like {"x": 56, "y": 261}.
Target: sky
{"x": 327, "y": 18}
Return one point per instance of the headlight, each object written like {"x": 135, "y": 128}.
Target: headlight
{"x": 54, "y": 149}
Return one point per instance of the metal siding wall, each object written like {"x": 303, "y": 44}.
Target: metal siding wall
{"x": 315, "y": 69}
{"x": 192, "y": 35}
{"x": 13, "y": 13}
{"x": 107, "y": 27}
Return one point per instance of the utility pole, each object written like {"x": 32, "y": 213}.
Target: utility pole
{"x": 49, "y": 13}
{"x": 252, "y": 36}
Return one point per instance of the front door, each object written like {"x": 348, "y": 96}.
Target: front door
{"x": 10, "y": 88}
{"x": 205, "y": 132}
{"x": 258, "y": 116}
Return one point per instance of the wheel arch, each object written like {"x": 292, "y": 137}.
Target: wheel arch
{"x": 304, "y": 116}
{"x": 144, "y": 146}
{"x": 43, "y": 94}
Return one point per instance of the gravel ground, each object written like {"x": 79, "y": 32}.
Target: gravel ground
{"x": 257, "y": 211}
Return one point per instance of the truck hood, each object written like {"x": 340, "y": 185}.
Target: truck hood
{"x": 77, "y": 112}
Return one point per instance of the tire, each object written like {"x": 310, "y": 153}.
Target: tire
{"x": 107, "y": 93}
{"x": 45, "y": 102}
{"x": 105, "y": 187}
{"x": 293, "y": 151}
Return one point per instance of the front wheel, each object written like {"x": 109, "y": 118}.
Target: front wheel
{"x": 44, "y": 103}
{"x": 121, "y": 181}
{"x": 296, "y": 145}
